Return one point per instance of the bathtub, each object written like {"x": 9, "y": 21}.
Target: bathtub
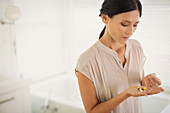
{"x": 60, "y": 94}
{"x": 158, "y": 103}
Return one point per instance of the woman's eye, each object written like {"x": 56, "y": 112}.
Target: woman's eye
{"x": 135, "y": 25}
{"x": 124, "y": 25}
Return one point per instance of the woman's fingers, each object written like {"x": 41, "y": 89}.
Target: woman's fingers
{"x": 153, "y": 80}
{"x": 154, "y": 90}
{"x": 153, "y": 83}
{"x": 156, "y": 79}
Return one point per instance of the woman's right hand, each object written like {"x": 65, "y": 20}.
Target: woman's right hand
{"x": 133, "y": 91}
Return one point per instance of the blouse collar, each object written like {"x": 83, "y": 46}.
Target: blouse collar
{"x": 110, "y": 51}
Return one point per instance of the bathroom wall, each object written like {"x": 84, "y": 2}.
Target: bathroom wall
{"x": 8, "y": 65}
{"x": 84, "y": 27}
{"x": 39, "y": 38}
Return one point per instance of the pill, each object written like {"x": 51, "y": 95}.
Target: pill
{"x": 141, "y": 90}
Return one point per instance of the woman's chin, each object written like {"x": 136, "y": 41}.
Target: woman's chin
{"x": 123, "y": 42}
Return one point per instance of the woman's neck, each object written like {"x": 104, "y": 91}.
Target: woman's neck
{"x": 111, "y": 43}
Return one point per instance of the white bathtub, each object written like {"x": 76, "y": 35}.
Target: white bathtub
{"x": 63, "y": 93}
{"x": 64, "y": 96}
{"x": 159, "y": 103}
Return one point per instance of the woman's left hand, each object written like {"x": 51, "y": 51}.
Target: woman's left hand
{"x": 151, "y": 80}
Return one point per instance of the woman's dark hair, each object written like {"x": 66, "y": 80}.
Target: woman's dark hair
{"x": 114, "y": 7}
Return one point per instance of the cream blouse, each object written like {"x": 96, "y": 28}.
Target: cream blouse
{"x": 102, "y": 66}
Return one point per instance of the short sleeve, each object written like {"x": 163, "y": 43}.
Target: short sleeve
{"x": 84, "y": 69}
{"x": 137, "y": 45}
{"x": 85, "y": 65}
{"x": 143, "y": 56}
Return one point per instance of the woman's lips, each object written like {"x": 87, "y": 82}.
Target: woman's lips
{"x": 125, "y": 37}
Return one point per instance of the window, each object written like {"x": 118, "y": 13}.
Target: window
{"x": 154, "y": 36}
{"x": 39, "y": 38}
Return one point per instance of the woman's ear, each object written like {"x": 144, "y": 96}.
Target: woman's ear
{"x": 104, "y": 18}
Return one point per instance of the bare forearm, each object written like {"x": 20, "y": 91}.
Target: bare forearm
{"x": 108, "y": 106}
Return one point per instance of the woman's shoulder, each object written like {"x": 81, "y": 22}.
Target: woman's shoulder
{"x": 86, "y": 56}
{"x": 134, "y": 43}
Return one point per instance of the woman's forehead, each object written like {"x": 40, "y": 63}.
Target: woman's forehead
{"x": 131, "y": 16}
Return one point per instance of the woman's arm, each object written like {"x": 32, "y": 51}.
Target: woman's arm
{"x": 143, "y": 76}
{"x": 90, "y": 101}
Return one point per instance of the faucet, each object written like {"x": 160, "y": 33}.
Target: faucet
{"x": 47, "y": 101}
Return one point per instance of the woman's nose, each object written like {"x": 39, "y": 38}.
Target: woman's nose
{"x": 129, "y": 31}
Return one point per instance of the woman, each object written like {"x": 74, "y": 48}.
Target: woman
{"x": 110, "y": 73}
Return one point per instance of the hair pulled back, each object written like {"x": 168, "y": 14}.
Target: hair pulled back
{"x": 114, "y": 7}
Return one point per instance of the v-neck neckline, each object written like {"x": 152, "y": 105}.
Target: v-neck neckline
{"x": 113, "y": 53}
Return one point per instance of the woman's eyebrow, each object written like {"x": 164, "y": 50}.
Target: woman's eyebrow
{"x": 129, "y": 21}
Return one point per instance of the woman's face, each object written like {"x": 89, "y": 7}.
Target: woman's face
{"x": 122, "y": 26}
